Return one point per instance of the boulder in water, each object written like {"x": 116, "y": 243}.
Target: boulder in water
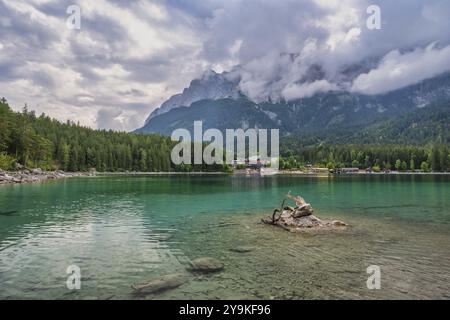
{"x": 159, "y": 284}
{"x": 301, "y": 218}
{"x": 206, "y": 265}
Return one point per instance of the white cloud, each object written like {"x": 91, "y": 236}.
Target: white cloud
{"x": 297, "y": 91}
{"x": 116, "y": 118}
{"x": 398, "y": 70}
{"x": 279, "y": 43}
{"x": 122, "y": 49}
{"x": 130, "y": 56}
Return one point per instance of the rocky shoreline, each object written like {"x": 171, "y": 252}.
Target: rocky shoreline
{"x": 36, "y": 175}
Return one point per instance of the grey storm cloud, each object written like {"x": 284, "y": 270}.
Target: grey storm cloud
{"x": 277, "y": 43}
{"x": 130, "y": 56}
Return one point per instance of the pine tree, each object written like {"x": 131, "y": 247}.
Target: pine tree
{"x": 63, "y": 155}
{"x": 73, "y": 159}
{"x": 412, "y": 165}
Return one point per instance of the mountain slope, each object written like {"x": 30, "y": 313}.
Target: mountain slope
{"x": 337, "y": 114}
{"x": 428, "y": 125}
{"x": 221, "y": 114}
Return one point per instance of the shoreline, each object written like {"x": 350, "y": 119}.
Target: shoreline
{"x": 323, "y": 174}
{"x": 161, "y": 173}
{"x": 38, "y": 175}
{"x": 362, "y": 173}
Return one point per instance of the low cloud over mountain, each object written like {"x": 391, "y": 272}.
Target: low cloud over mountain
{"x": 130, "y": 57}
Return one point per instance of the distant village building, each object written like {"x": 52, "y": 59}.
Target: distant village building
{"x": 254, "y": 162}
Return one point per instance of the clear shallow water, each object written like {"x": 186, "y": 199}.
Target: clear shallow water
{"x": 125, "y": 230}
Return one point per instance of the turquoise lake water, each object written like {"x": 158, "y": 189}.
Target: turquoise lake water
{"x": 124, "y": 230}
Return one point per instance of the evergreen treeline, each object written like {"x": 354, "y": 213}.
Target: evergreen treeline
{"x": 378, "y": 157}
{"x": 39, "y": 141}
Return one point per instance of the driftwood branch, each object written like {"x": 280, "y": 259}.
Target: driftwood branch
{"x": 302, "y": 209}
{"x": 299, "y": 201}
{"x": 275, "y": 218}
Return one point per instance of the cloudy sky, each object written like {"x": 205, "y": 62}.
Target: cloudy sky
{"x": 130, "y": 56}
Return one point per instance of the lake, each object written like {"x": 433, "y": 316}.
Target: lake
{"x": 123, "y": 230}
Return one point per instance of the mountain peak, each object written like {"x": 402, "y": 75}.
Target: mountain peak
{"x": 210, "y": 86}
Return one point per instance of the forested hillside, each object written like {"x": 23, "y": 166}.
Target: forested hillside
{"x": 39, "y": 141}
{"x": 379, "y": 157}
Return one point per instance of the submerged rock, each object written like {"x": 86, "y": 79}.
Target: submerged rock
{"x": 338, "y": 223}
{"x": 159, "y": 284}
{"x": 8, "y": 213}
{"x": 241, "y": 249}
{"x": 206, "y": 265}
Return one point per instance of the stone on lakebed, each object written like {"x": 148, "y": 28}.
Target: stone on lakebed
{"x": 159, "y": 284}
{"x": 206, "y": 265}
